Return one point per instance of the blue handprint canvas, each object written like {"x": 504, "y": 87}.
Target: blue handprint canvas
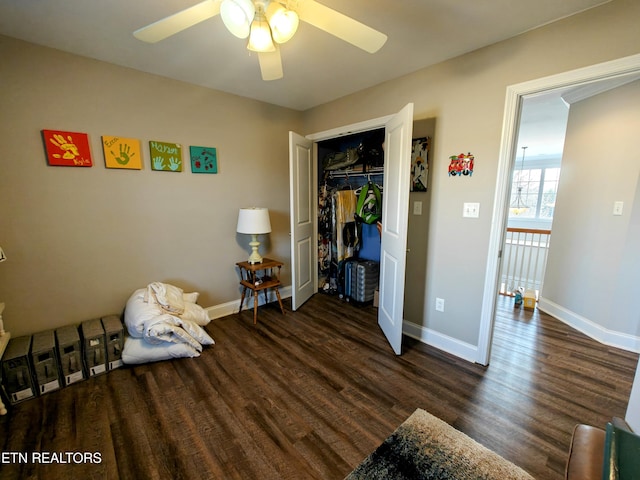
{"x": 165, "y": 156}
{"x": 122, "y": 152}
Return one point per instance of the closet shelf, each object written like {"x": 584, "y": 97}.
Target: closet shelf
{"x": 347, "y": 173}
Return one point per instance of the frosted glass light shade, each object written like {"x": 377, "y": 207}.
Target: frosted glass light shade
{"x": 260, "y": 36}
{"x": 283, "y": 22}
{"x": 237, "y": 16}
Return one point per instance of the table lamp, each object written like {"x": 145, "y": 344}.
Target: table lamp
{"x": 254, "y": 221}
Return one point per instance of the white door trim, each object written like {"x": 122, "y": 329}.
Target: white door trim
{"x": 582, "y": 76}
{"x": 365, "y": 126}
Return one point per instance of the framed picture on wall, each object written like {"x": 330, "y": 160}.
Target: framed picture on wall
{"x": 122, "y": 152}
{"x": 420, "y": 164}
{"x": 165, "y": 156}
{"x": 203, "y": 159}
{"x": 67, "y": 149}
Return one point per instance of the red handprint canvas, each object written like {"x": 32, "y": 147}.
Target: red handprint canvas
{"x": 67, "y": 149}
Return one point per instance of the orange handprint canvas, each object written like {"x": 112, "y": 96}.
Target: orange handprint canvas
{"x": 68, "y": 149}
{"x": 122, "y": 152}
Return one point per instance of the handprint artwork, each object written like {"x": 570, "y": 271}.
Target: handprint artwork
{"x": 68, "y": 149}
{"x": 203, "y": 160}
{"x": 124, "y": 156}
{"x": 66, "y": 145}
{"x": 158, "y": 163}
{"x": 166, "y": 156}
{"x": 175, "y": 164}
{"x": 122, "y": 152}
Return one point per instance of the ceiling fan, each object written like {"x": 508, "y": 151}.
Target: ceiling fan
{"x": 266, "y": 23}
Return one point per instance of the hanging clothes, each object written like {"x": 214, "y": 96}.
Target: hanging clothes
{"x": 325, "y": 233}
{"x": 345, "y": 207}
{"x": 345, "y": 238}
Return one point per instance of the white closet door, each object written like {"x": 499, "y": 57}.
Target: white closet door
{"x": 302, "y": 185}
{"x": 395, "y": 209}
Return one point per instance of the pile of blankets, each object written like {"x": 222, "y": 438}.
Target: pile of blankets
{"x": 163, "y": 322}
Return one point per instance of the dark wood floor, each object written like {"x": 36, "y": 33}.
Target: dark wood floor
{"x": 308, "y": 395}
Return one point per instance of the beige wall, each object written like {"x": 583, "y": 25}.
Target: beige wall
{"x": 466, "y": 97}
{"x": 79, "y": 241}
{"x": 417, "y": 233}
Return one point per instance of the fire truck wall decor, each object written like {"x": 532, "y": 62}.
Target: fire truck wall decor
{"x": 461, "y": 165}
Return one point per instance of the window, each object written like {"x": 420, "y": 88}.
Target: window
{"x": 539, "y": 186}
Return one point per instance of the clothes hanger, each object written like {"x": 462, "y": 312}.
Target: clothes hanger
{"x": 347, "y": 184}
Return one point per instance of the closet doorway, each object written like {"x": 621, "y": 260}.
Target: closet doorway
{"x": 350, "y": 188}
{"x": 303, "y": 172}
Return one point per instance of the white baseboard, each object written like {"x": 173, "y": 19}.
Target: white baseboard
{"x": 612, "y": 338}
{"x": 442, "y": 342}
{"x": 229, "y": 308}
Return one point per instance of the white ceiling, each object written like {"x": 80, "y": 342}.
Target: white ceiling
{"x": 543, "y": 118}
{"x": 317, "y": 67}
{"x": 543, "y": 124}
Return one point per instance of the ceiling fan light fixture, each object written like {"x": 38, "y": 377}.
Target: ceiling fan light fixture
{"x": 283, "y": 22}
{"x": 260, "y": 37}
{"x": 237, "y": 16}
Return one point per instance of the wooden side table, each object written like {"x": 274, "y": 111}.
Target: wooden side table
{"x": 4, "y": 341}
{"x": 252, "y": 280}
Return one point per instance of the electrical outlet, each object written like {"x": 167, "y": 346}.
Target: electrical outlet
{"x": 440, "y": 304}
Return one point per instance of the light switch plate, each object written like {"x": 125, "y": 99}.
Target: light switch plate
{"x": 417, "y": 208}
{"x": 617, "y": 208}
{"x": 471, "y": 210}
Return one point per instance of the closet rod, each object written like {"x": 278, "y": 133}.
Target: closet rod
{"x": 333, "y": 174}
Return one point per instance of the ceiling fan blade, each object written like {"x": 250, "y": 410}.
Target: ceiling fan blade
{"x": 270, "y": 65}
{"x": 341, "y": 26}
{"x": 178, "y": 21}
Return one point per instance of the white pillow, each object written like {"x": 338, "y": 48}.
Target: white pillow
{"x": 195, "y": 313}
{"x": 191, "y": 297}
{"x": 168, "y": 296}
{"x": 137, "y": 313}
{"x": 170, "y": 331}
{"x": 137, "y": 351}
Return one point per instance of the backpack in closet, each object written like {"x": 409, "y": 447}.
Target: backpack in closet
{"x": 369, "y": 205}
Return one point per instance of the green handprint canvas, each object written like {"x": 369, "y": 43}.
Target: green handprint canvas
{"x": 165, "y": 156}
{"x": 122, "y": 152}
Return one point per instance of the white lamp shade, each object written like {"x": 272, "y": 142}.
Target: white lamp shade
{"x": 237, "y": 16}
{"x": 3, "y": 257}
{"x": 254, "y": 221}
